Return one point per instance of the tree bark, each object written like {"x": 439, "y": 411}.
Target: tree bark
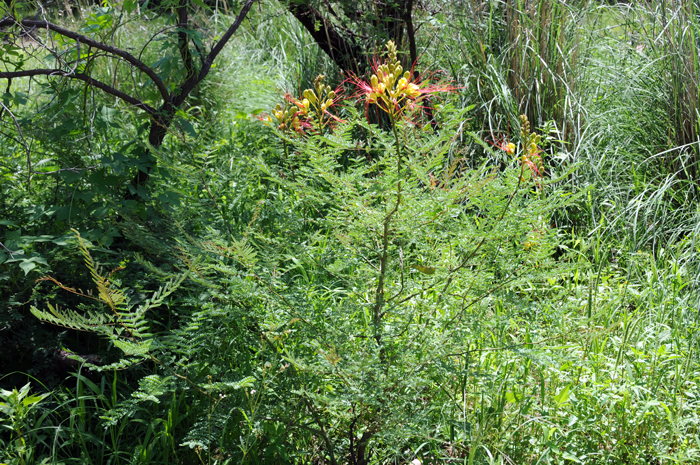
{"x": 160, "y": 124}
{"x": 343, "y": 51}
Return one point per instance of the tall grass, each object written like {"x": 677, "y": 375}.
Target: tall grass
{"x": 515, "y": 57}
{"x": 669, "y": 31}
{"x": 540, "y": 55}
{"x": 620, "y": 82}
{"x": 637, "y": 148}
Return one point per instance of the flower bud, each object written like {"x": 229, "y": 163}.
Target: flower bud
{"x": 407, "y": 75}
{"x": 318, "y": 83}
{"x": 331, "y": 95}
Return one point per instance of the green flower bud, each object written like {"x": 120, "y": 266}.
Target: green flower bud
{"x": 310, "y": 96}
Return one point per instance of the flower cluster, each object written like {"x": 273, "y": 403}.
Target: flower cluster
{"x": 531, "y": 157}
{"x": 503, "y": 144}
{"x": 315, "y": 104}
{"x": 310, "y": 112}
{"x": 391, "y": 88}
{"x": 286, "y": 116}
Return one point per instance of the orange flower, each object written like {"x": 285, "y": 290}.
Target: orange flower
{"x": 391, "y": 88}
{"x": 315, "y": 105}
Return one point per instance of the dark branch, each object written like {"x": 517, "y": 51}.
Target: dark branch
{"x": 195, "y": 79}
{"x": 163, "y": 116}
{"x": 24, "y": 143}
{"x": 183, "y": 39}
{"x": 411, "y": 33}
{"x": 344, "y": 52}
{"x": 161, "y": 122}
{"x": 81, "y": 77}
{"x": 30, "y": 23}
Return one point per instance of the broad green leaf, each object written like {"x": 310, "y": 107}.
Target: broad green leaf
{"x": 563, "y": 396}
{"x": 13, "y": 235}
{"x": 424, "y": 269}
{"x": 572, "y": 457}
{"x": 30, "y": 263}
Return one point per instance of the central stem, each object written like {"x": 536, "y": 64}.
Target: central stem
{"x": 384, "y": 258}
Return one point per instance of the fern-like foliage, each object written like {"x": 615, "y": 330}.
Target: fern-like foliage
{"x": 126, "y": 326}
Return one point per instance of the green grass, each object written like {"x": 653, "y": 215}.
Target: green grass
{"x": 594, "y": 360}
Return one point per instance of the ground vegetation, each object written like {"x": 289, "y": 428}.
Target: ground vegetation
{"x": 349, "y": 232}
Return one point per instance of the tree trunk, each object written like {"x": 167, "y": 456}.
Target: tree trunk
{"x": 343, "y": 51}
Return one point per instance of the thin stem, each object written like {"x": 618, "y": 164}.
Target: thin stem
{"x": 379, "y": 298}
{"x": 398, "y": 166}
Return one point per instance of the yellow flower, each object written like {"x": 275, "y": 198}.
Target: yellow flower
{"x": 413, "y": 91}
{"x": 310, "y": 95}
{"x": 394, "y": 90}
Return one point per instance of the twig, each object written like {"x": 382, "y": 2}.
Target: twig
{"x": 81, "y": 77}
{"x": 24, "y": 142}
{"x": 12, "y": 254}
{"x": 7, "y": 91}
{"x": 95, "y": 44}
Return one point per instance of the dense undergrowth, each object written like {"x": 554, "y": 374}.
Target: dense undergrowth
{"x": 366, "y": 284}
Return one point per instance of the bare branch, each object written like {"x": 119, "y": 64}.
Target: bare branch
{"x": 195, "y": 79}
{"x": 183, "y": 39}
{"x": 7, "y": 91}
{"x": 343, "y": 51}
{"x": 12, "y": 254}
{"x": 85, "y": 78}
{"x": 30, "y": 23}
{"x": 24, "y": 143}
{"x": 227, "y": 35}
